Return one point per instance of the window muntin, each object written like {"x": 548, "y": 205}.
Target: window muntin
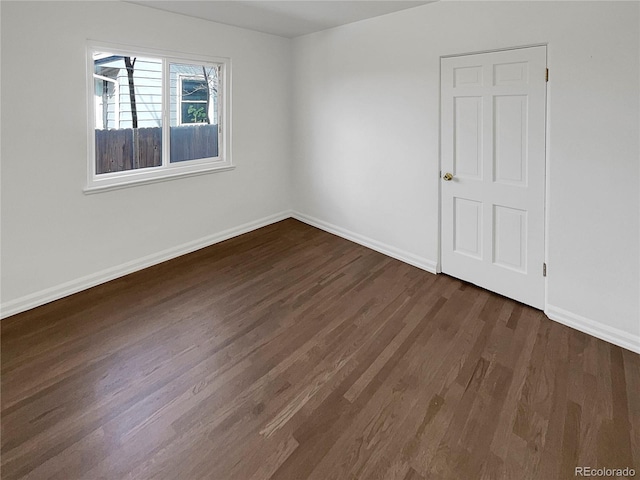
{"x": 154, "y": 116}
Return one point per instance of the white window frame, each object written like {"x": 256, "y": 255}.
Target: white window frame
{"x": 166, "y": 171}
{"x": 179, "y": 95}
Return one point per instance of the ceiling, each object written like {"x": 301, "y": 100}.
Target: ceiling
{"x": 284, "y": 18}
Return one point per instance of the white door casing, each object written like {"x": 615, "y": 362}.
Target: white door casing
{"x": 493, "y": 108}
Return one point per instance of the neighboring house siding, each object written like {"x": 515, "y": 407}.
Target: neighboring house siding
{"x": 147, "y": 80}
{"x": 173, "y": 94}
{"x": 113, "y": 113}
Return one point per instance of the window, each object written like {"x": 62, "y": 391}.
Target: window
{"x": 194, "y": 104}
{"x": 154, "y": 116}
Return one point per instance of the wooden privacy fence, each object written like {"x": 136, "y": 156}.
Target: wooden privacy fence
{"x": 115, "y": 149}
{"x": 194, "y": 141}
{"x": 127, "y": 148}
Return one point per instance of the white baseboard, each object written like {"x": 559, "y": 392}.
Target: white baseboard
{"x": 591, "y": 327}
{"x": 596, "y": 329}
{"x": 406, "y": 257}
{"x": 47, "y": 295}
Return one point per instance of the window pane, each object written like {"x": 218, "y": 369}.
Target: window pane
{"x": 193, "y": 111}
{"x": 194, "y": 90}
{"x": 128, "y": 112}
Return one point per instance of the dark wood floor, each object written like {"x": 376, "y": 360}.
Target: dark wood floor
{"x": 289, "y": 353}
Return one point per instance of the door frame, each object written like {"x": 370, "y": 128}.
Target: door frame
{"x": 546, "y": 157}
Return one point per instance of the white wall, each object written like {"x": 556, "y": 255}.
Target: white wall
{"x": 366, "y": 120}
{"x": 55, "y": 239}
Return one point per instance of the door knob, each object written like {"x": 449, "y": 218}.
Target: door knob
{"x": 447, "y": 177}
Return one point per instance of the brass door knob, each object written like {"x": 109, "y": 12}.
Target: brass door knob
{"x": 447, "y": 177}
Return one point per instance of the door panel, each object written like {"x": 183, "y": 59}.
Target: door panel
{"x": 510, "y": 238}
{"x": 493, "y": 143}
{"x": 510, "y": 142}
{"x": 468, "y": 227}
{"x": 468, "y": 137}
{"x": 468, "y": 76}
{"x": 510, "y": 73}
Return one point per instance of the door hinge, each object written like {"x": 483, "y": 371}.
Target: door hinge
{"x": 546, "y": 76}
{"x": 544, "y": 269}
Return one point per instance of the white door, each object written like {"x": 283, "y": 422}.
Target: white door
{"x": 493, "y": 171}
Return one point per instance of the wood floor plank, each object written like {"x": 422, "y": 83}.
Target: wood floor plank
{"x": 289, "y": 353}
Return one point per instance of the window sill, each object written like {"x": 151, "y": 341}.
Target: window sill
{"x": 130, "y": 181}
